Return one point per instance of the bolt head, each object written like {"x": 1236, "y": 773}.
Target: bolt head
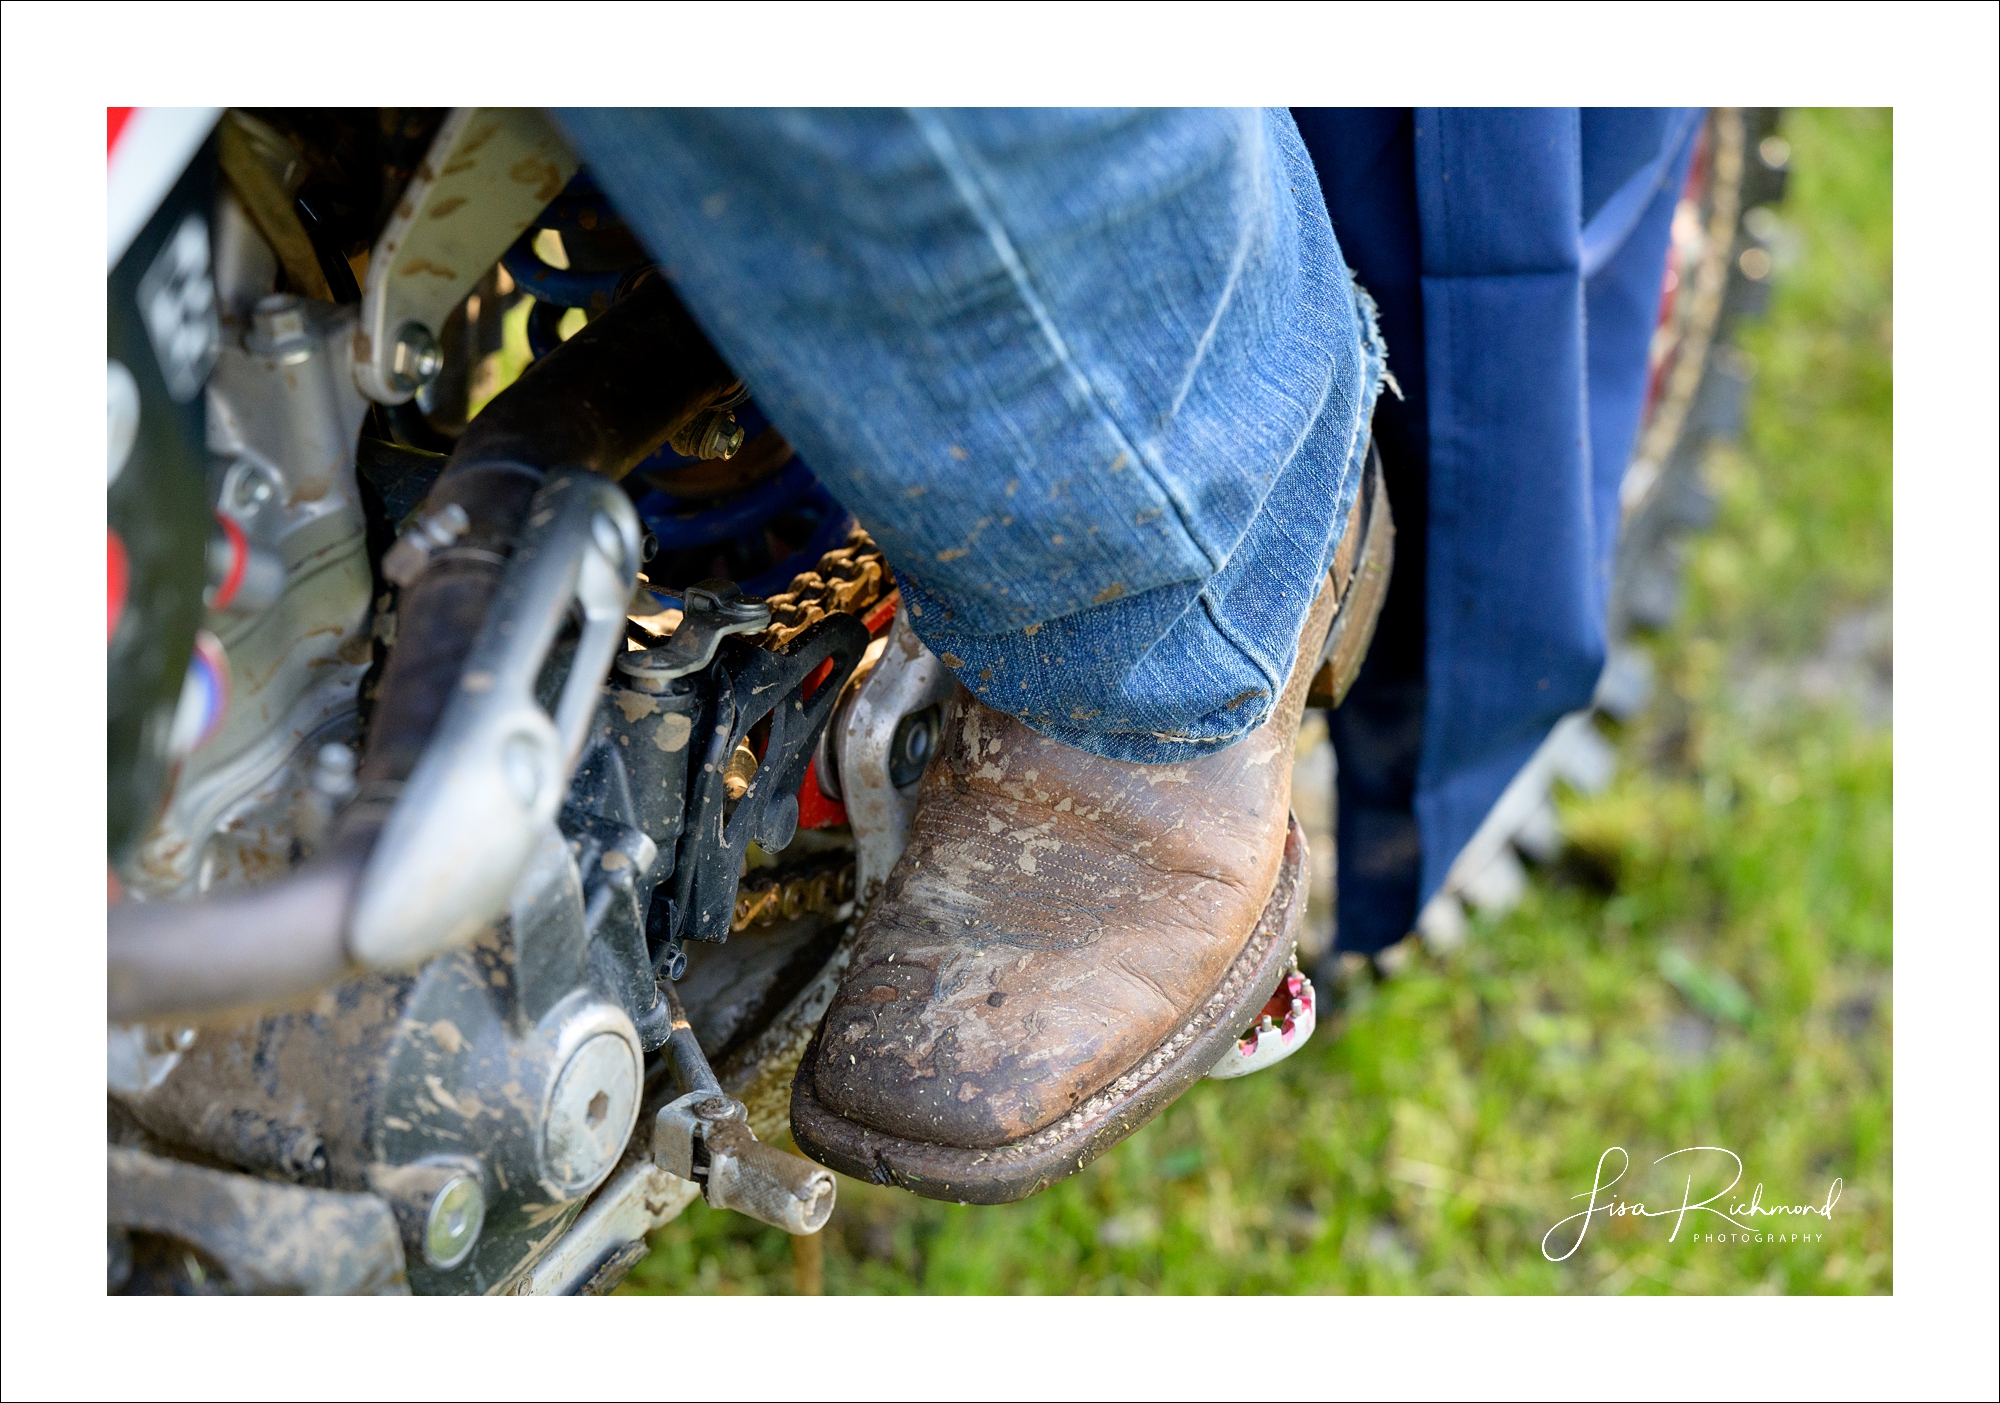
{"x": 281, "y": 329}
{"x": 911, "y": 746}
{"x": 415, "y": 359}
{"x": 406, "y": 560}
{"x": 248, "y": 488}
{"x": 446, "y": 524}
{"x": 591, "y": 1108}
{"x": 723, "y": 437}
{"x": 279, "y": 319}
{"x": 451, "y": 1228}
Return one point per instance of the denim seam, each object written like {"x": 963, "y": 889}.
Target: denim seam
{"x": 945, "y": 147}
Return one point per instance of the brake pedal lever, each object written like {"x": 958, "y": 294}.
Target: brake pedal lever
{"x": 704, "y": 1135}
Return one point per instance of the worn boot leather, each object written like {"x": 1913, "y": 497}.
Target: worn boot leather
{"x": 1055, "y": 916}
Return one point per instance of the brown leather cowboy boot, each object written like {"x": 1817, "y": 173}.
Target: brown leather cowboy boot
{"x": 1068, "y": 942}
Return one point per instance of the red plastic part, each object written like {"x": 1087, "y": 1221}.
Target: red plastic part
{"x": 877, "y": 620}
{"x": 815, "y": 809}
{"x": 814, "y": 678}
{"x": 116, "y": 118}
{"x": 239, "y": 557}
{"x": 119, "y": 581}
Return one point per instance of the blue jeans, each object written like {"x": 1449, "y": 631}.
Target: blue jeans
{"x": 1098, "y": 383}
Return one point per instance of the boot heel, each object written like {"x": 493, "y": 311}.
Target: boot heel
{"x": 1361, "y": 569}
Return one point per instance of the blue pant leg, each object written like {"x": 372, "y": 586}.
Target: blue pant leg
{"x": 1637, "y": 158}
{"x": 1366, "y": 161}
{"x": 1097, "y": 382}
{"x": 1517, "y": 257}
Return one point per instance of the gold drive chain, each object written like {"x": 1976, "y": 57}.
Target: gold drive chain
{"x": 850, "y": 579}
{"x": 764, "y": 898}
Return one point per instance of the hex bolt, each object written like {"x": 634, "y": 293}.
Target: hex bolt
{"x": 445, "y": 525}
{"x": 279, "y": 328}
{"x": 721, "y": 437}
{"x": 451, "y": 1227}
{"x": 434, "y": 530}
{"x": 713, "y": 433}
{"x": 251, "y": 488}
{"x": 279, "y": 319}
{"x": 415, "y": 359}
{"x": 741, "y": 770}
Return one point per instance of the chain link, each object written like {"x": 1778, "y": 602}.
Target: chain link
{"x": 850, "y": 579}
{"x": 765, "y": 900}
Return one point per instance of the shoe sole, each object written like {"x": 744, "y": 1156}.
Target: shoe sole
{"x": 1012, "y": 1171}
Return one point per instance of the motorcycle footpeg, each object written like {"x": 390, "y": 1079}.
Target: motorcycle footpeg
{"x": 769, "y": 1184}
{"x": 704, "y": 1136}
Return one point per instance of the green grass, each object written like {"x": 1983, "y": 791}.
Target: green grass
{"x": 1710, "y": 965}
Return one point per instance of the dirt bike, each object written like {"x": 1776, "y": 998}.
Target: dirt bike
{"x": 506, "y": 726}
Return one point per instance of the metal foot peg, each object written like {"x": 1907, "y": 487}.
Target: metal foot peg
{"x": 703, "y": 1135}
